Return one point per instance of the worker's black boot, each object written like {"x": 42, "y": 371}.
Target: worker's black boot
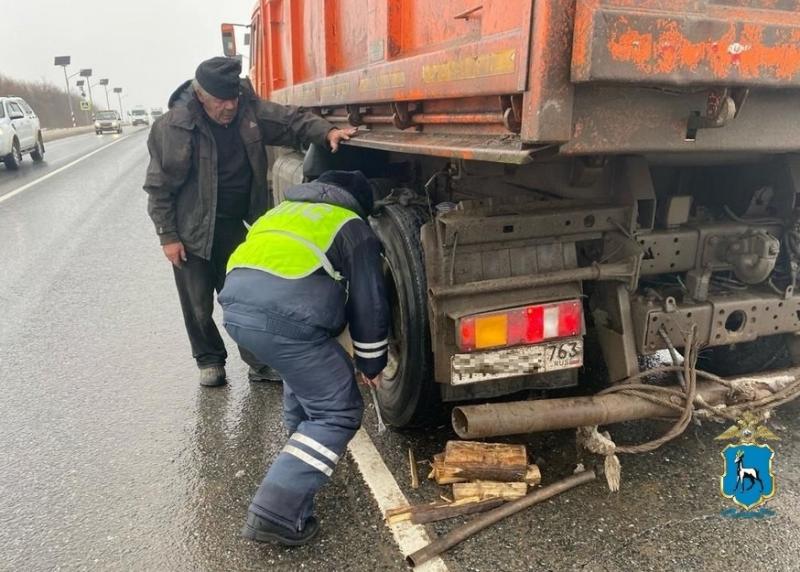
{"x": 263, "y": 530}
{"x": 263, "y": 373}
{"x": 212, "y": 375}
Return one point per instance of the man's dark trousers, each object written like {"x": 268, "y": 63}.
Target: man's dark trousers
{"x": 322, "y": 412}
{"x": 197, "y": 280}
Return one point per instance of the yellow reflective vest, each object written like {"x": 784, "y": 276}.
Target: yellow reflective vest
{"x": 291, "y": 240}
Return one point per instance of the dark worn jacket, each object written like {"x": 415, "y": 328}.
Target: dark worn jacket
{"x": 181, "y": 179}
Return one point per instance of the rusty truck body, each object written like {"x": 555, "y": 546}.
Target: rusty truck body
{"x": 557, "y": 173}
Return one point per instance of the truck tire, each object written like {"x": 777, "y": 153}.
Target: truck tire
{"x": 763, "y": 354}
{"x": 408, "y": 395}
{"x": 13, "y": 159}
{"x": 38, "y": 152}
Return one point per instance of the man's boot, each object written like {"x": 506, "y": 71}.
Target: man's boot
{"x": 263, "y": 530}
{"x": 212, "y": 375}
{"x": 263, "y": 373}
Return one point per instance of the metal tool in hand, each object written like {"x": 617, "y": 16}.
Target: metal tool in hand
{"x": 381, "y": 425}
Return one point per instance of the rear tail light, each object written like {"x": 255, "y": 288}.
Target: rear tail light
{"x": 520, "y": 326}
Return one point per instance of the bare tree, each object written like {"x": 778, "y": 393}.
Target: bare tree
{"x": 46, "y": 99}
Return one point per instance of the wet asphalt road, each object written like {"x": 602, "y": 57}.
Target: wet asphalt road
{"x": 112, "y": 458}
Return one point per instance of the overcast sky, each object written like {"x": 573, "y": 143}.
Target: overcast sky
{"x": 147, "y": 47}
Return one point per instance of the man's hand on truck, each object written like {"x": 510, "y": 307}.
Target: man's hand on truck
{"x": 335, "y": 135}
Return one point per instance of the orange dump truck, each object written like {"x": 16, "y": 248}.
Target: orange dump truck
{"x": 557, "y": 175}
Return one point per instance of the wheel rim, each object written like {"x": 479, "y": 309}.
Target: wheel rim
{"x": 396, "y": 333}
{"x": 17, "y": 153}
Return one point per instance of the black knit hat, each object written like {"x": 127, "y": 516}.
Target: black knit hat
{"x": 220, "y": 77}
{"x": 355, "y": 183}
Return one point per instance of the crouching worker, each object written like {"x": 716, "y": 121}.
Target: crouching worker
{"x": 308, "y": 268}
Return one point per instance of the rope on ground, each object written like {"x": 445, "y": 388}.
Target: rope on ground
{"x": 742, "y": 397}
{"x": 690, "y": 377}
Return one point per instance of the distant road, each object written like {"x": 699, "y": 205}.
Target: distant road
{"x": 111, "y": 455}
{"x": 58, "y": 154}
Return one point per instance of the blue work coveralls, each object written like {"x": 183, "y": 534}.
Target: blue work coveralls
{"x": 292, "y": 323}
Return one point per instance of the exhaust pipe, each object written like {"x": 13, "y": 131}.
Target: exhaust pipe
{"x": 519, "y": 417}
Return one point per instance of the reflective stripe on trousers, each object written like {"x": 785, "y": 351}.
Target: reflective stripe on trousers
{"x": 322, "y": 410}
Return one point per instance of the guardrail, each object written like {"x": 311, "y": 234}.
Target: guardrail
{"x": 53, "y": 134}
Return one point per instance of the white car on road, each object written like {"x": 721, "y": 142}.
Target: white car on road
{"x": 107, "y": 121}
{"x": 20, "y": 132}
{"x": 139, "y": 116}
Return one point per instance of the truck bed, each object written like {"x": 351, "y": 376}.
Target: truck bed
{"x": 590, "y": 76}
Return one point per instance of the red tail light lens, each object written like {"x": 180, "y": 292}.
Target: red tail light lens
{"x": 466, "y": 331}
{"x": 535, "y": 325}
{"x": 520, "y": 326}
{"x": 570, "y": 316}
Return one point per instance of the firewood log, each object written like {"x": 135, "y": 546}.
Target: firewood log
{"x": 489, "y": 489}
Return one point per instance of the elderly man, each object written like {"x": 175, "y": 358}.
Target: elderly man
{"x": 208, "y": 174}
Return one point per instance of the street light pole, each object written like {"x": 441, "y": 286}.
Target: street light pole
{"x": 87, "y": 73}
{"x": 104, "y": 83}
{"x": 118, "y": 91}
{"x": 80, "y": 83}
{"x": 64, "y": 61}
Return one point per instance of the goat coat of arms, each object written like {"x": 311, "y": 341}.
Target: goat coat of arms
{"x": 748, "y": 479}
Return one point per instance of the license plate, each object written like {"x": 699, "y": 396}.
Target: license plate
{"x": 517, "y": 361}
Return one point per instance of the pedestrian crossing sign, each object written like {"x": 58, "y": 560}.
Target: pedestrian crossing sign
{"x": 85, "y": 106}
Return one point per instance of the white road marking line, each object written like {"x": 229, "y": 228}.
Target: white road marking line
{"x": 57, "y": 171}
{"x": 409, "y": 537}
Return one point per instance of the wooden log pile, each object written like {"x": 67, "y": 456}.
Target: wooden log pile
{"x": 483, "y": 476}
